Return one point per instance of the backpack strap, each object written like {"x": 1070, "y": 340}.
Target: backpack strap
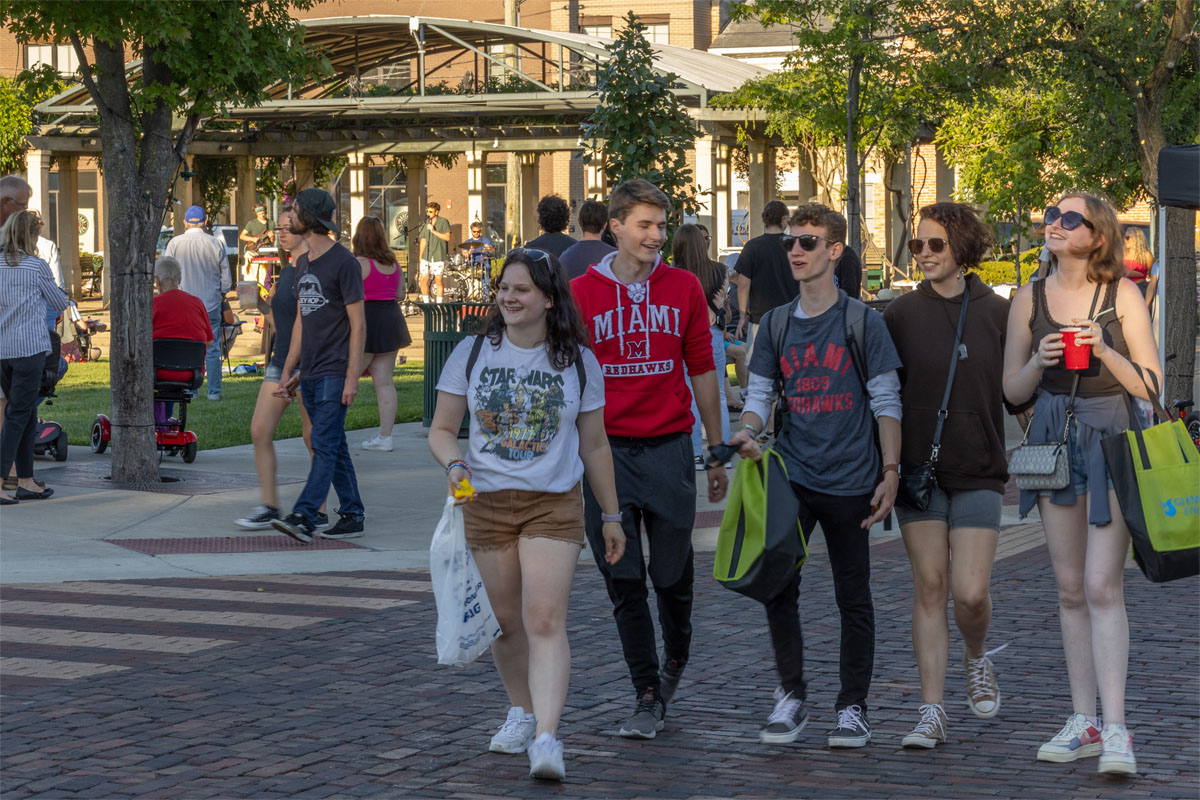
{"x": 581, "y": 372}
{"x": 855, "y": 319}
{"x": 777, "y": 329}
{"x": 476, "y": 347}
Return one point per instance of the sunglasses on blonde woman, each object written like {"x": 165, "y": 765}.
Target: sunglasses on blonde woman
{"x": 936, "y": 245}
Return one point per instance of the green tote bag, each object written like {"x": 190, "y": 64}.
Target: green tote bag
{"x": 760, "y": 543}
{"x": 1156, "y": 473}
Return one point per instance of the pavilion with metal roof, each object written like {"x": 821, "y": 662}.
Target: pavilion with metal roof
{"x": 409, "y": 87}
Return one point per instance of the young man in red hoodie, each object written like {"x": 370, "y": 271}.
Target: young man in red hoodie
{"x": 648, "y": 323}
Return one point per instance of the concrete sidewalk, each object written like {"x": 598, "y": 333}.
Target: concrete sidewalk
{"x": 70, "y": 536}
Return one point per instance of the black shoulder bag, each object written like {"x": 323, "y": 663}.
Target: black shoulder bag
{"x": 917, "y": 483}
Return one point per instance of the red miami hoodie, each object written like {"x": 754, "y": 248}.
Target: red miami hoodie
{"x": 643, "y": 334}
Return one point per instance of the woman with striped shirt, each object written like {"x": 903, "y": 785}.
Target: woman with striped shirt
{"x": 26, "y": 288}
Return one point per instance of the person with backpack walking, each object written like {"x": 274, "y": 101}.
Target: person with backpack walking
{"x": 829, "y": 361}
{"x": 950, "y": 333}
{"x": 535, "y": 394}
{"x": 648, "y": 324}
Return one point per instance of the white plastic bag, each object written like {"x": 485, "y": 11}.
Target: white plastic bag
{"x": 466, "y": 624}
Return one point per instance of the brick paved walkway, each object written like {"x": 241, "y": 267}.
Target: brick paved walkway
{"x": 325, "y": 686}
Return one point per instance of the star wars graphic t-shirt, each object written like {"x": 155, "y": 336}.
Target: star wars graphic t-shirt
{"x": 324, "y": 287}
{"x": 523, "y": 413}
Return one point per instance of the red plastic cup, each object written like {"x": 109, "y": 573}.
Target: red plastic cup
{"x": 1075, "y": 356}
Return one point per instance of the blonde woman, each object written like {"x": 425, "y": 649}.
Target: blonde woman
{"x": 26, "y": 288}
{"x": 1085, "y": 534}
{"x": 1138, "y": 260}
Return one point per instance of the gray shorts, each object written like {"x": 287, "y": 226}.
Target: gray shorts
{"x": 958, "y": 508}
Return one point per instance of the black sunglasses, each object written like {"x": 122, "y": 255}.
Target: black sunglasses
{"x": 917, "y": 246}
{"x": 808, "y": 241}
{"x": 1069, "y": 220}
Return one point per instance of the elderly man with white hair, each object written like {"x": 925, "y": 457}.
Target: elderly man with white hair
{"x": 15, "y": 194}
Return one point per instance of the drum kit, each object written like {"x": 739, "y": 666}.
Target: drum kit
{"x": 468, "y": 280}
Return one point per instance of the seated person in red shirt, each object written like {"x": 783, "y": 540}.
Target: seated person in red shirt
{"x": 177, "y": 315}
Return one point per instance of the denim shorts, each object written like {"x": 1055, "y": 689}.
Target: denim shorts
{"x": 274, "y": 372}
{"x": 958, "y": 508}
{"x": 1079, "y": 473}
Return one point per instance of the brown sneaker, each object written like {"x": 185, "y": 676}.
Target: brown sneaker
{"x": 930, "y": 731}
{"x": 983, "y": 695}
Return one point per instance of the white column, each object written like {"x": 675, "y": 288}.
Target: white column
{"x": 762, "y": 183}
{"x": 37, "y": 168}
{"x": 359, "y": 164}
{"x": 530, "y": 194}
{"x": 68, "y": 222}
{"x": 706, "y": 181}
{"x": 414, "y": 178}
{"x": 723, "y": 192}
{"x": 476, "y": 188}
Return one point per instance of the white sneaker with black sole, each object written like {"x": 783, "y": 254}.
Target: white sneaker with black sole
{"x": 259, "y": 519}
{"x": 516, "y": 733}
{"x": 381, "y": 443}
{"x": 852, "y": 729}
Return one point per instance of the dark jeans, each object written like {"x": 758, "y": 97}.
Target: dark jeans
{"x": 656, "y": 487}
{"x": 330, "y": 456}
{"x": 20, "y": 378}
{"x": 850, "y": 559}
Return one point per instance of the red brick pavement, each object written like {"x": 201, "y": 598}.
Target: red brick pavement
{"x": 353, "y": 705}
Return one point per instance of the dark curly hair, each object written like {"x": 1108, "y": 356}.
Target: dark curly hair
{"x": 553, "y": 214}
{"x": 565, "y": 331}
{"x": 970, "y": 238}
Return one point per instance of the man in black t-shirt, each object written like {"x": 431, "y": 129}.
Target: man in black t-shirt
{"x": 327, "y": 340}
{"x": 553, "y": 216}
{"x": 764, "y": 278}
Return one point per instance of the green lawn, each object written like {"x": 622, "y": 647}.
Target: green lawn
{"x": 84, "y": 392}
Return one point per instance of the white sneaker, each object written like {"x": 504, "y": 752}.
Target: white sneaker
{"x": 1117, "y": 754}
{"x": 515, "y": 734}
{"x": 377, "y": 442}
{"x": 546, "y": 758}
{"x": 1077, "y": 739}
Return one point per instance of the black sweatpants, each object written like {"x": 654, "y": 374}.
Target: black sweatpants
{"x": 656, "y": 485}
{"x": 850, "y": 560}
{"x": 20, "y": 378}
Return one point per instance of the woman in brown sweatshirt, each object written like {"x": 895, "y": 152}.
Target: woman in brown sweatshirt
{"x": 963, "y": 517}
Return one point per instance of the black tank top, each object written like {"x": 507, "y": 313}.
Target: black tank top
{"x": 1096, "y": 380}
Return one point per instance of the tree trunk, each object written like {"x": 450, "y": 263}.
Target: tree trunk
{"x": 137, "y": 176}
{"x": 853, "y": 226}
{"x": 1178, "y": 273}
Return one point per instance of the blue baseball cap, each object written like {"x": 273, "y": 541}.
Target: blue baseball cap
{"x": 194, "y": 214}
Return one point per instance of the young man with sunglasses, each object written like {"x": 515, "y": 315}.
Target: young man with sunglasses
{"x": 827, "y": 443}
{"x": 648, "y": 323}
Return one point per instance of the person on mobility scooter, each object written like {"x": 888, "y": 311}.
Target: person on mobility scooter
{"x": 182, "y": 331}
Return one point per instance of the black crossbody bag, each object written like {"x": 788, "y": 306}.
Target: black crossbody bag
{"x": 917, "y": 483}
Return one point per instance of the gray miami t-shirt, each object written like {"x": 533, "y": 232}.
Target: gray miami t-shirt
{"x": 324, "y": 287}
{"x": 828, "y": 442}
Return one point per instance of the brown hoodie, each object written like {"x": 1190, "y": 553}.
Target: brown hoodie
{"x": 922, "y": 324}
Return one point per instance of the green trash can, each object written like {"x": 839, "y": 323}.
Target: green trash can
{"x": 446, "y": 324}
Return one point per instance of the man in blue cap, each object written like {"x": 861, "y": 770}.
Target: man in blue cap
{"x": 204, "y": 269}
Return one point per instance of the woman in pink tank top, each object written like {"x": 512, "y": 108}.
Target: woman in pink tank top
{"x": 387, "y": 332}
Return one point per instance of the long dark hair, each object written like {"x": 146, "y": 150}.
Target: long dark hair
{"x": 565, "y": 332}
{"x": 689, "y": 251}
{"x": 370, "y": 241}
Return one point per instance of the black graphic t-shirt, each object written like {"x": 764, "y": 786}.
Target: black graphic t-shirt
{"x": 828, "y": 444}
{"x": 324, "y": 287}
{"x": 523, "y": 415}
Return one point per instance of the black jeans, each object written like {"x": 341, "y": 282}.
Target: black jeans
{"x": 20, "y": 378}
{"x": 656, "y": 485}
{"x": 850, "y": 559}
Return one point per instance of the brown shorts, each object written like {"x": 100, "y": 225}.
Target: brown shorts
{"x": 496, "y": 520}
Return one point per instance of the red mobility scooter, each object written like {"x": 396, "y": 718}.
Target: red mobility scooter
{"x": 178, "y": 375}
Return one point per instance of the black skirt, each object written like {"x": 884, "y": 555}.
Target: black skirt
{"x": 386, "y": 329}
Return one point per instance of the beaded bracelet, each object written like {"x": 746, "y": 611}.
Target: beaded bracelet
{"x": 458, "y": 462}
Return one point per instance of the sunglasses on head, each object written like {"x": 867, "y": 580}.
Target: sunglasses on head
{"x": 530, "y": 253}
{"x": 936, "y": 245}
{"x": 808, "y": 241}
{"x": 1069, "y": 220}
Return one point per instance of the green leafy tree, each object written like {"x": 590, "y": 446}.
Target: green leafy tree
{"x": 195, "y": 56}
{"x": 850, "y": 84}
{"x": 1116, "y": 81}
{"x": 645, "y": 129}
{"x": 215, "y": 178}
{"x": 17, "y": 98}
